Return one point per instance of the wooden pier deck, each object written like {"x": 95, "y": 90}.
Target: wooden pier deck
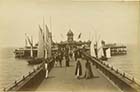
{"x": 63, "y": 79}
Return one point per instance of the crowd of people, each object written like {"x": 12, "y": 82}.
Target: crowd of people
{"x": 67, "y": 54}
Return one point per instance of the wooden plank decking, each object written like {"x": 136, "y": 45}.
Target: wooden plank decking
{"x": 63, "y": 79}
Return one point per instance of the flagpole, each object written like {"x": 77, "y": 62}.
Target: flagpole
{"x": 44, "y": 34}
{"x": 50, "y": 23}
{"x": 25, "y": 41}
{"x": 43, "y": 23}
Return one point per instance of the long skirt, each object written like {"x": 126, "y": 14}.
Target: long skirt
{"x": 46, "y": 67}
{"x": 88, "y": 74}
{"x": 46, "y": 74}
{"x": 78, "y": 72}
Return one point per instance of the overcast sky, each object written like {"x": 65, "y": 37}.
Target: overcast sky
{"x": 113, "y": 21}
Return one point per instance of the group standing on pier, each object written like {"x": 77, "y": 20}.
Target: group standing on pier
{"x": 68, "y": 55}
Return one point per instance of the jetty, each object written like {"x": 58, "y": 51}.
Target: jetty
{"x": 62, "y": 78}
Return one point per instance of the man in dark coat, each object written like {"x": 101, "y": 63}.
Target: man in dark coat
{"x": 75, "y": 55}
{"x": 67, "y": 61}
{"x": 60, "y": 60}
{"x": 88, "y": 72}
{"x": 78, "y": 70}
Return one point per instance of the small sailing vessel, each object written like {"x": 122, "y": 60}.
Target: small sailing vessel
{"x": 102, "y": 52}
{"x": 35, "y": 61}
{"x": 108, "y": 53}
{"x": 101, "y": 55}
{"x": 92, "y": 50}
{"x": 44, "y": 47}
{"x": 40, "y": 53}
{"x": 25, "y": 52}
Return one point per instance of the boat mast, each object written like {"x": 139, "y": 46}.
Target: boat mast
{"x": 44, "y": 44}
{"x": 31, "y": 44}
{"x": 41, "y": 43}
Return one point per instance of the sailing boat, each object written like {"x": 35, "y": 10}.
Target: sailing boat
{"x": 108, "y": 53}
{"x": 100, "y": 51}
{"x": 44, "y": 46}
{"x": 48, "y": 43}
{"x": 92, "y": 52}
{"x": 40, "y": 54}
{"x": 31, "y": 44}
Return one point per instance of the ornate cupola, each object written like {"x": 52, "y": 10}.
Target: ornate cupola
{"x": 70, "y": 36}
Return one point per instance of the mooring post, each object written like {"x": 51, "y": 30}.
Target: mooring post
{"x": 123, "y": 74}
{"x": 117, "y": 71}
{"x": 4, "y": 89}
{"x": 133, "y": 79}
{"x": 108, "y": 65}
{"x": 23, "y": 77}
{"x": 29, "y": 73}
{"x": 112, "y": 68}
{"x": 34, "y": 69}
{"x": 15, "y": 82}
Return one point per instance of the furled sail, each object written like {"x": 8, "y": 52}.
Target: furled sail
{"x": 100, "y": 50}
{"x": 108, "y": 53}
{"x": 44, "y": 45}
{"x": 92, "y": 52}
{"x": 47, "y": 43}
{"x": 31, "y": 43}
{"x": 41, "y": 44}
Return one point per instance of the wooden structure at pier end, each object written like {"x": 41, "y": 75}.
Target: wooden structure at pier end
{"x": 72, "y": 45}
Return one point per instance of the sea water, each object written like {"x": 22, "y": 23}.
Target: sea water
{"x": 130, "y": 63}
{"x": 11, "y": 69}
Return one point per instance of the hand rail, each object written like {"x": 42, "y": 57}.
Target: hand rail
{"x": 28, "y": 75}
{"x": 114, "y": 73}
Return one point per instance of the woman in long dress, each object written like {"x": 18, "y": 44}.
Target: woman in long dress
{"x": 88, "y": 72}
{"x": 46, "y": 67}
{"x": 78, "y": 71}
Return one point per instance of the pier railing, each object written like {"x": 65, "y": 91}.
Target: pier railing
{"x": 121, "y": 79}
{"x": 31, "y": 80}
{"x": 127, "y": 75}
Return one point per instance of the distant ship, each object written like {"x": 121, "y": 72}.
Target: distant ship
{"x": 25, "y": 52}
{"x": 116, "y": 49}
{"x": 37, "y": 51}
{"x": 105, "y": 51}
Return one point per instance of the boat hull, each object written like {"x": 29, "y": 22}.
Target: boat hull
{"x": 35, "y": 61}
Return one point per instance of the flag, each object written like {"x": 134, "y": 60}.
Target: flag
{"x": 31, "y": 43}
{"x": 92, "y": 50}
{"x": 29, "y": 40}
{"x": 79, "y": 36}
{"x": 47, "y": 34}
{"x": 40, "y": 29}
{"x": 48, "y": 42}
{"x": 41, "y": 33}
{"x": 32, "y": 40}
{"x": 41, "y": 43}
